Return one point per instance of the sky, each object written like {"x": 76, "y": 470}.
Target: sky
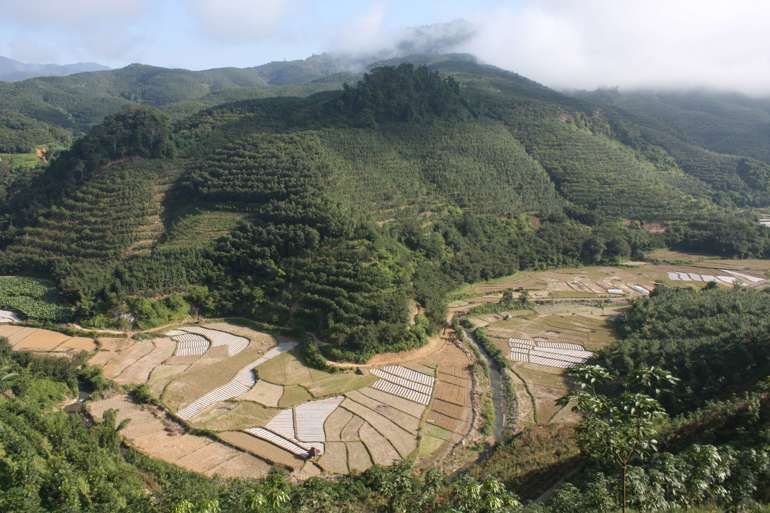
{"x": 566, "y": 44}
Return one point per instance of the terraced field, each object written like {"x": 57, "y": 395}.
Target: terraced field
{"x": 616, "y": 284}
{"x": 569, "y": 312}
{"x": 44, "y": 342}
{"x": 266, "y": 407}
{"x": 118, "y": 213}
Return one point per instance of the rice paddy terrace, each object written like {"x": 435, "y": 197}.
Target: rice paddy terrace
{"x": 568, "y": 317}
{"x": 263, "y": 407}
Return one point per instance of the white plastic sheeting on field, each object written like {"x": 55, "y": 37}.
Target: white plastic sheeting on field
{"x": 7, "y": 316}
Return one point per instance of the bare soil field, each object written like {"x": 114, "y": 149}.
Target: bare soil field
{"x": 150, "y": 431}
{"x": 36, "y": 340}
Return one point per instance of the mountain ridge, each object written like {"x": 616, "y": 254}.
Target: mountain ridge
{"x": 12, "y": 70}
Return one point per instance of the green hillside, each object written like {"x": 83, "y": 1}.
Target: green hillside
{"x": 345, "y": 219}
{"x": 723, "y": 122}
{"x": 49, "y": 110}
{"x": 718, "y": 139}
{"x": 328, "y": 213}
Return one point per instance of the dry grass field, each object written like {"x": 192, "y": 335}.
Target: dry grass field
{"x": 574, "y": 305}
{"x": 609, "y": 282}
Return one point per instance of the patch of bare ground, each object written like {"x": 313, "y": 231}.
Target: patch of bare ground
{"x": 152, "y": 432}
{"x": 379, "y": 448}
{"x": 351, "y": 430}
{"x": 126, "y": 355}
{"x": 264, "y": 393}
{"x": 457, "y": 421}
{"x": 404, "y": 420}
{"x": 433, "y": 345}
{"x": 335, "y": 458}
{"x": 162, "y": 375}
{"x": 253, "y": 445}
{"x": 335, "y": 423}
{"x": 358, "y": 457}
{"x": 51, "y": 343}
{"x": 401, "y": 439}
{"x": 234, "y": 415}
{"x": 139, "y": 372}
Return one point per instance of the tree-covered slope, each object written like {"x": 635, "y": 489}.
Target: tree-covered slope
{"x": 719, "y": 139}
{"x": 329, "y": 213}
{"x": 723, "y": 122}
{"x": 75, "y": 103}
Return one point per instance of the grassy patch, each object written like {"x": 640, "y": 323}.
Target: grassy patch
{"x": 532, "y": 461}
{"x": 429, "y": 445}
{"x": 288, "y": 370}
{"x": 200, "y": 228}
{"x": 20, "y": 160}
{"x": 436, "y": 432}
{"x": 294, "y": 395}
{"x": 232, "y": 416}
{"x": 336, "y": 384}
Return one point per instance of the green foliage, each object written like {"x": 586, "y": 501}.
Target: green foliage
{"x": 50, "y": 461}
{"x": 150, "y": 313}
{"x": 491, "y": 349}
{"x": 141, "y": 394}
{"x": 714, "y": 340}
{"x": 619, "y": 429}
{"x": 131, "y": 133}
{"x": 599, "y": 174}
{"x": 403, "y": 94}
{"x": 33, "y": 298}
{"x": 706, "y": 134}
{"x": 22, "y": 134}
{"x": 727, "y": 235}
{"x": 46, "y": 110}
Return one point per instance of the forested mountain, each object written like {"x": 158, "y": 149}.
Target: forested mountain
{"x": 719, "y": 138}
{"x": 343, "y": 209}
{"x": 399, "y": 186}
{"x": 723, "y": 122}
{"x": 44, "y": 111}
{"x": 12, "y": 70}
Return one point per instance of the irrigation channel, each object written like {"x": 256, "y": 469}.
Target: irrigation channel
{"x": 496, "y": 384}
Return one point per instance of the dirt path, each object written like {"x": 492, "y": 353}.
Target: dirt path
{"x": 98, "y": 330}
{"x": 434, "y": 344}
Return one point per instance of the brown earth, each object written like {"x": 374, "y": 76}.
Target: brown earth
{"x": 152, "y": 432}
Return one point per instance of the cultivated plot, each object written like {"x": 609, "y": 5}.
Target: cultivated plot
{"x": 258, "y": 397}
{"x": 547, "y": 353}
{"x": 45, "y": 342}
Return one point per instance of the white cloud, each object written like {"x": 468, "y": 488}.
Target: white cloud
{"x": 233, "y": 21}
{"x": 631, "y": 43}
{"x": 69, "y": 30}
{"x": 68, "y": 13}
{"x": 364, "y": 33}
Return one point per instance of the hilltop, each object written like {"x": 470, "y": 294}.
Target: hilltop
{"x": 395, "y": 268}
{"x": 360, "y": 199}
{"x": 12, "y": 70}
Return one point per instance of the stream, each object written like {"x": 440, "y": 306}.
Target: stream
{"x": 496, "y": 385}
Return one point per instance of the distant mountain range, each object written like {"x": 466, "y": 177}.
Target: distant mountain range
{"x": 12, "y": 70}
